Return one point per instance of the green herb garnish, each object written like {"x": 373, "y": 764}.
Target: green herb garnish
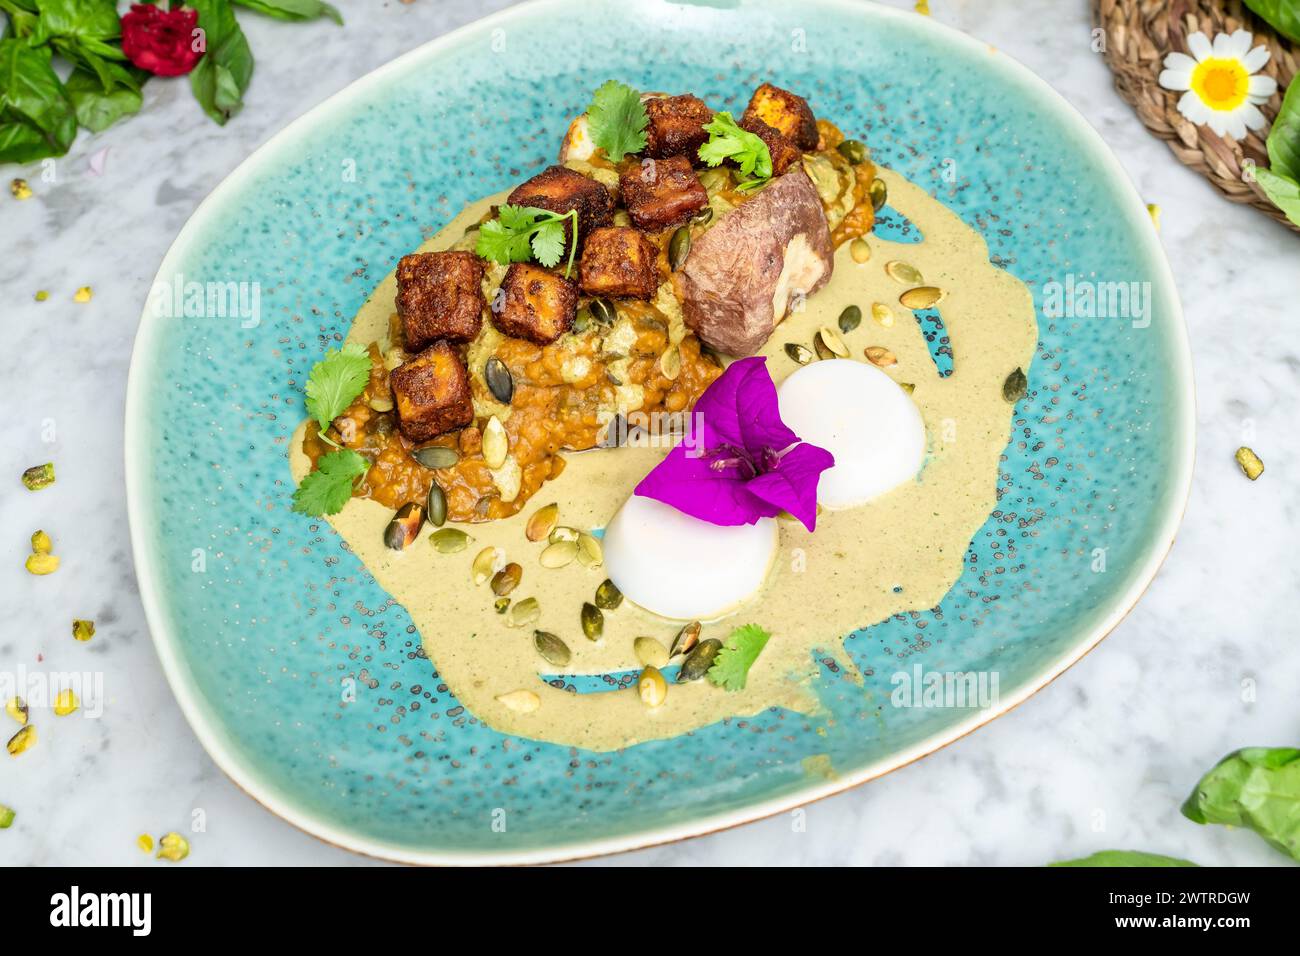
{"x": 1112, "y": 858}
{"x": 617, "y": 119}
{"x": 731, "y": 666}
{"x": 327, "y": 489}
{"x": 728, "y": 141}
{"x": 1281, "y": 181}
{"x": 520, "y": 233}
{"x": 1258, "y": 788}
{"x": 335, "y": 382}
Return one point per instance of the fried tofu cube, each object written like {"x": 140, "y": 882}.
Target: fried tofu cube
{"x": 676, "y": 126}
{"x": 439, "y": 296}
{"x": 535, "y": 304}
{"x": 659, "y": 193}
{"x": 432, "y": 393}
{"x": 789, "y": 114}
{"x": 620, "y": 262}
{"x": 784, "y": 153}
{"x": 560, "y": 189}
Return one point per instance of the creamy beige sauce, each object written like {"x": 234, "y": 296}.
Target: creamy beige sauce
{"x": 913, "y": 538}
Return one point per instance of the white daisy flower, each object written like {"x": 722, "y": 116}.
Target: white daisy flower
{"x": 1221, "y": 88}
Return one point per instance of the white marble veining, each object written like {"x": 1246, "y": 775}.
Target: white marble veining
{"x": 1100, "y": 759}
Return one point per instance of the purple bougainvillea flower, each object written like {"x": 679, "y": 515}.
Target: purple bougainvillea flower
{"x": 739, "y": 462}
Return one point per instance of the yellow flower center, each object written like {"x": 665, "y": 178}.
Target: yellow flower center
{"x": 1221, "y": 84}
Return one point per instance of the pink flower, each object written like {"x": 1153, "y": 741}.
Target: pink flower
{"x": 160, "y": 41}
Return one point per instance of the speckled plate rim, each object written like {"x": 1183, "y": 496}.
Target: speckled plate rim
{"x": 245, "y": 777}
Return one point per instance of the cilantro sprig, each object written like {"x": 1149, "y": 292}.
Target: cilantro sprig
{"x": 327, "y": 489}
{"x": 731, "y": 666}
{"x": 728, "y": 141}
{"x": 335, "y": 382}
{"x": 617, "y": 120}
{"x": 520, "y": 233}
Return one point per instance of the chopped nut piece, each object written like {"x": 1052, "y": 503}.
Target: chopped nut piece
{"x": 1250, "y": 463}
{"x": 66, "y": 703}
{"x": 83, "y": 630}
{"x": 20, "y": 189}
{"x": 6, "y": 817}
{"x": 41, "y": 295}
{"x": 39, "y": 476}
{"x": 145, "y": 842}
{"x": 16, "y": 708}
{"x": 83, "y": 294}
{"x": 41, "y": 543}
{"x": 42, "y": 563}
{"x": 173, "y": 847}
{"x": 521, "y": 701}
{"x": 22, "y": 740}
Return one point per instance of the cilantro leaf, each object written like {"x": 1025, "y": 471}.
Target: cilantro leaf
{"x": 548, "y": 243}
{"x": 728, "y": 141}
{"x": 617, "y": 119}
{"x": 327, "y": 489}
{"x": 737, "y": 656}
{"x": 335, "y": 381}
{"x": 520, "y": 233}
{"x": 500, "y": 243}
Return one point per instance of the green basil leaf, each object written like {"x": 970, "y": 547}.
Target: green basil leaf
{"x": 1111, "y": 858}
{"x": 110, "y": 75}
{"x": 1282, "y": 15}
{"x": 1282, "y": 191}
{"x": 293, "y": 9}
{"x": 21, "y": 19}
{"x": 97, "y": 108}
{"x": 221, "y": 76}
{"x": 91, "y": 20}
{"x": 1284, "y": 136}
{"x": 31, "y": 95}
{"x": 1258, "y": 788}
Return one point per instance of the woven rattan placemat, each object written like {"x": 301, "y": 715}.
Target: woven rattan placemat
{"x": 1138, "y": 35}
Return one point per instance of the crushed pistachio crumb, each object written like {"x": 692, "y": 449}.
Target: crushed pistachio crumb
{"x": 16, "y": 708}
{"x": 39, "y": 476}
{"x": 83, "y": 630}
{"x": 21, "y": 741}
{"x": 1154, "y": 212}
{"x": 42, "y": 563}
{"x": 41, "y": 543}
{"x": 66, "y": 702}
{"x": 41, "y": 295}
{"x": 1249, "y": 462}
{"x": 20, "y": 189}
{"x": 145, "y": 842}
{"x": 83, "y": 294}
{"x": 6, "y": 817}
{"x": 173, "y": 847}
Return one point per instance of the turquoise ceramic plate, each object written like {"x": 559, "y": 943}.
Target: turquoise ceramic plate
{"x": 262, "y": 617}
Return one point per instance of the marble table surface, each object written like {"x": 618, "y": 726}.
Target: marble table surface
{"x": 1207, "y": 662}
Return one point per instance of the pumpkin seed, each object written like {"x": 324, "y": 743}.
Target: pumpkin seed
{"x": 652, "y": 687}
{"x": 593, "y": 621}
{"x": 699, "y": 661}
{"x": 507, "y": 579}
{"x": 859, "y": 250}
{"x": 1015, "y": 387}
{"x": 436, "y": 509}
{"x": 880, "y": 357}
{"x": 1250, "y": 464}
{"x": 405, "y": 526}
{"x": 650, "y": 652}
{"x": 380, "y": 404}
{"x": 829, "y": 344}
{"x": 590, "y": 553}
{"x": 855, "y": 151}
{"x": 542, "y": 523}
{"x": 499, "y": 380}
{"x": 525, "y": 612}
{"x": 903, "y": 273}
{"x": 883, "y": 314}
{"x": 581, "y": 321}
{"x": 798, "y": 353}
{"x": 563, "y": 533}
{"x": 907, "y": 387}
{"x": 501, "y": 604}
{"x": 487, "y": 563}
{"x": 670, "y": 363}
{"x": 679, "y": 247}
{"x": 608, "y": 596}
{"x": 520, "y": 701}
{"x": 702, "y": 217}
{"x": 849, "y": 319}
{"x": 449, "y": 540}
{"x": 495, "y": 443}
{"x": 603, "y": 311}
{"x": 553, "y": 650}
{"x": 559, "y": 554}
{"x": 436, "y": 456}
{"x": 879, "y": 193}
{"x": 686, "y": 639}
{"x": 921, "y": 297}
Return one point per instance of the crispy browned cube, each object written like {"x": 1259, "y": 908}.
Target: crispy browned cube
{"x": 535, "y": 304}
{"x": 432, "y": 393}
{"x": 620, "y": 262}
{"x": 788, "y": 113}
{"x": 560, "y": 189}
{"x": 676, "y": 126}
{"x": 659, "y": 193}
{"x": 784, "y": 153}
{"x": 439, "y": 296}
